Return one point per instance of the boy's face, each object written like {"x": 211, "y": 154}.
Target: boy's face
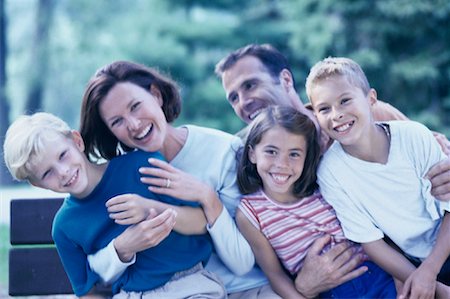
{"x": 279, "y": 158}
{"x": 62, "y": 167}
{"x": 342, "y": 109}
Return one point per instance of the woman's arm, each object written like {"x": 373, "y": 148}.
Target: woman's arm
{"x": 129, "y": 209}
{"x": 232, "y": 248}
{"x": 182, "y": 185}
{"x": 266, "y": 258}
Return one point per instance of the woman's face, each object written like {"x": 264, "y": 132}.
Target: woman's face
{"x": 134, "y": 115}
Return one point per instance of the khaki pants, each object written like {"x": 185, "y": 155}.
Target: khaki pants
{"x": 263, "y": 292}
{"x": 193, "y": 283}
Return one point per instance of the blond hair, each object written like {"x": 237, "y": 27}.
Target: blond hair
{"x": 337, "y": 66}
{"x": 25, "y": 138}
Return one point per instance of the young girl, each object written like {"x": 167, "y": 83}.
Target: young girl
{"x": 374, "y": 177}
{"x": 282, "y": 213}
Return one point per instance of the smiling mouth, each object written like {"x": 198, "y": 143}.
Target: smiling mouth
{"x": 280, "y": 178}
{"x": 144, "y": 133}
{"x": 344, "y": 127}
{"x": 255, "y": 113}
{"x": 72, "y": 179}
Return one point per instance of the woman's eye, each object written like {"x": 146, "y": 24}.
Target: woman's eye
{"x": 116, "y": 122}
{"x": 62, "y": 155}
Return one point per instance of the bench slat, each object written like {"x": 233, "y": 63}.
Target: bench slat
{"x": 31, "y": 220}
{"x": 36, "y": 271}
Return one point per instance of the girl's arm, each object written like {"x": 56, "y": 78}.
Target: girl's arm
{"x": 400, "y": 267}
{"x": 266, "y": 258}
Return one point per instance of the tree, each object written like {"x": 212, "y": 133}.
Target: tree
{"x": 39, "y": 56}
{"x": 5, "y": 178}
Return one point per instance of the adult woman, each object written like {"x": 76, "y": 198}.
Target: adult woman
{"x": 132, "y": 106}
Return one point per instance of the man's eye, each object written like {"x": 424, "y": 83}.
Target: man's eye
{"x": 343, "y": 101}
{"x": 323, "y": 109}
{"x": 232, "y": 98}
{"x": 249, "y": 85}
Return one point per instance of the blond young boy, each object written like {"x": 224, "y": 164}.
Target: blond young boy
{"x": 373, "y": 176}
{"x": 43, "y": 150}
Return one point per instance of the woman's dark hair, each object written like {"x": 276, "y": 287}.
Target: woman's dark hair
{"x": 294, "y": 122}
{"x": 99, "y": 140}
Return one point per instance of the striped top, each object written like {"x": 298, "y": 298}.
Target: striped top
{"x": 292, "y": 228}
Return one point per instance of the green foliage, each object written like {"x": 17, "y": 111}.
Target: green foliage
{"x": 403, "y": 46}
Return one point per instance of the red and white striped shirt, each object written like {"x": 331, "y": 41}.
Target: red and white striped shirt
{"x": 292, "y": 228}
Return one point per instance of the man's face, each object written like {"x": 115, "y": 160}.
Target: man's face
{"x": 249, "y": 88}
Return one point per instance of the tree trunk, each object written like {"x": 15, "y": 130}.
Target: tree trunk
{"x": 5, "y": 178}
{"x": 39, "y": 57}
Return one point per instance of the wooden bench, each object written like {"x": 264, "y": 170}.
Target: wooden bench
{"x": 34, "y": 264}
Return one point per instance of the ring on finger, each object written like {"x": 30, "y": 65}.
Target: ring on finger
{"x": 168, "y": 183}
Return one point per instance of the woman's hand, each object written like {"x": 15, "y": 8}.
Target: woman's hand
{"x": 128, "y": 209}
{"x": 171, "y": 181}
{"x": 146, "y": 234}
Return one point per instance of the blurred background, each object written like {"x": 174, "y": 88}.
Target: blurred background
{"x": 50, "y": 48}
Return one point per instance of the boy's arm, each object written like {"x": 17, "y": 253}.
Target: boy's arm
{"x": 431, "y": 266}
{"x": 400, "y": 267}
{"x": 266, "y": 258}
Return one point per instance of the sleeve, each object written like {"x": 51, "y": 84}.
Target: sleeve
{"x": 426, "y": 152}
{"x": 230, "y": 245}
{"x": 246, "y": 209}
{"x": 107, "y": 265}
{"x": 75, "y": 263}
{"x": 356, "y": 224}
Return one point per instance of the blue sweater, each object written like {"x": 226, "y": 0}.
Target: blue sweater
{"x": 82, "y": 227}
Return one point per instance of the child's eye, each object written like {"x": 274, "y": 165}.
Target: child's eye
{"x": 295, "y": 155}
{"x": 343, "y": 101}
{"x": 324, "y": 109}
{"x": 62, "y": 155}
{"x": 46, "y": 174}
{"x": 271, "y": 152}
{"x": 135, "y": 106}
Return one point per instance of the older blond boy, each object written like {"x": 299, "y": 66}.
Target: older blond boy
{"x": 373, "y": 175}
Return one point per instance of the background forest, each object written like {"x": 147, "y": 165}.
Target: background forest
{"x": 50, "y": 48}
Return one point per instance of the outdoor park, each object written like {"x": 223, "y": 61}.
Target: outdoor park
{"x": 49, "y": 49}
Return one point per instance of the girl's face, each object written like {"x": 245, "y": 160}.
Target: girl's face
{"x": 279, "y": 158}
{"x": 134, "y": 115}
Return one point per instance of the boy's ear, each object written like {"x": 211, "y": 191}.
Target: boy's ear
{"x": 157, "y": 94}
{"x": 372, "y": 97}
{"x": 251, "y": 154}
{"x": 76, "y": 136}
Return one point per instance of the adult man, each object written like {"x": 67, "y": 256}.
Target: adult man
{"x": 256, "y": 76}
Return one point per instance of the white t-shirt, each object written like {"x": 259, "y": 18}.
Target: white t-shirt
{"x": 372, "y": 199}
